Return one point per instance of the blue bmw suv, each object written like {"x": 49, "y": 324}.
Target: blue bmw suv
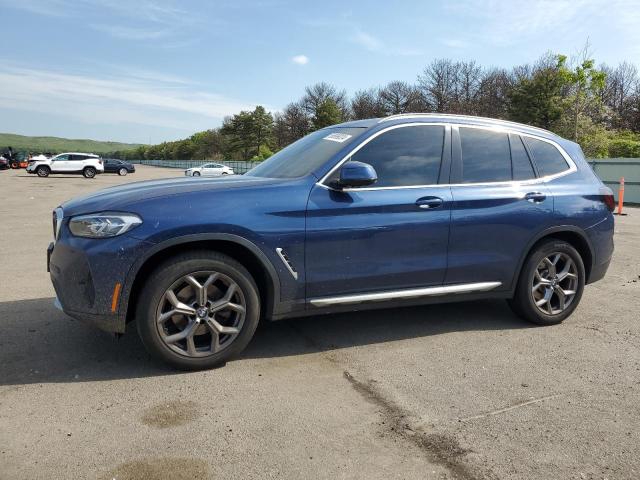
{"x": 404, "y": 210}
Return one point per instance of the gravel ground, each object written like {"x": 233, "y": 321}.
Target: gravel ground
{"x": 456, "y": 391}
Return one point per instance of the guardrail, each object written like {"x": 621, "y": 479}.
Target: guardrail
{"x": 610, "y": 170}
{"x": 239, "y": 167}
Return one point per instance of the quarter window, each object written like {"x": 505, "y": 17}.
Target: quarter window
{"x": 485, "y": 156}
{"x": 548, "y": 158}
{"x": 405, "y": 156}
{"x": 522, "y": 168}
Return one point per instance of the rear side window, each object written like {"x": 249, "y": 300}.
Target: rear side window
{"x": 548, "y": 158}
{"x": 485, "y": 156}
{"x": 405, "y": 156}
{"x": 522, "y": 168}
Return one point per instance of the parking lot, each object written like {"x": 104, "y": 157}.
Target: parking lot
{"x": 455, "y": 391}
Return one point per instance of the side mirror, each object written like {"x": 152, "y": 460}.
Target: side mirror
{"x": 357, "y": 174}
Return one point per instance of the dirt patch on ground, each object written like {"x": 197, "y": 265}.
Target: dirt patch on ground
{"x": 160, "y": 468}
{"x": 170, "y": 414}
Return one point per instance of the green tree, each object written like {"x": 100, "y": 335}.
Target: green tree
{"x": 585, "y": 88}
{"x": 537, "y": 100}
{"x": 327, "y": 113}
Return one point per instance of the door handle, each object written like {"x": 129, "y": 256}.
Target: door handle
{"x": 535, "y": 197}
{"x": 429, "y": 203}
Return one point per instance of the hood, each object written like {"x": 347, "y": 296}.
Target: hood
{"x": 124, "y": 196}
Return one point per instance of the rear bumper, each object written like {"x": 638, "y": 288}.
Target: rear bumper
{"x": 601, "y": 239}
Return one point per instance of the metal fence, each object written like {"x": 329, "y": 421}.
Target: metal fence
{"x": 238, "y": 166}
{"x": 610, "y": 170}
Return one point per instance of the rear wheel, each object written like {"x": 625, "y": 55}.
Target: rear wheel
{"x": 122, "y": 172}
{"x": 43, "y": 171}
{"x": 198, "y": 310}
{"x": 89, "y": 172}
{"x": 551, "y": 283}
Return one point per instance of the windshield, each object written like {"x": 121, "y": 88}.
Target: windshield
{"x": 304, "y": 156}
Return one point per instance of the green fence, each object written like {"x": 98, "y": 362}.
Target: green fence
{"x": 610, "y": 170}
{"x": 238, "y": 166}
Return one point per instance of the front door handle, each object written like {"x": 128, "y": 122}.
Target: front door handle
{"x": 429, "y": 203}
{"x": 535, "y": 197}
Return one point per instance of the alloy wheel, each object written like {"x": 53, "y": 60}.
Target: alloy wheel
{"x": 555, "y": 283}
{"x": 201, "y": 314}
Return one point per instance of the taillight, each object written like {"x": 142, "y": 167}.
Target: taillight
{"x": 607, "y": 197}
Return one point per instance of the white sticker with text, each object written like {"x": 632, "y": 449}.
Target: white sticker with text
{"x": 337, "y": 137}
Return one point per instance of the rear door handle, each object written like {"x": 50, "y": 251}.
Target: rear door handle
{"x": 429, "y": 203}
{"x": 535, "y": 197}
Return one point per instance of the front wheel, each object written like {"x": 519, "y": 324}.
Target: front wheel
{"x": 43, "y": 171}
{"x": 196, "y": 174}
{"x": 122, "y": 172}
{"x": 551, "y": 283}
{"x": 198, "y": 310}
{"x": 89, "y": 172}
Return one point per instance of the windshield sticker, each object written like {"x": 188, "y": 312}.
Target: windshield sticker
{"x": 337, "y": 137}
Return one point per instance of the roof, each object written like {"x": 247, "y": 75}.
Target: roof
{"x": 78, "y": 153}
{"x": 451, "y": 118}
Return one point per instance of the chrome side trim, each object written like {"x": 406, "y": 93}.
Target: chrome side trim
{"x": 405, "y": 294}
{"x": 285, "y": 260}
{"x": 572, "y": 166}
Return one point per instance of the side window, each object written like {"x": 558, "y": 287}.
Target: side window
{"x": 77, "y": 157}
{"x": 548, "y": 158}
{"x": 485, "y": 156}
{"x": 61, "y": 157}
{"x": 521, "y": 164}
{"x": 405, "y": 156}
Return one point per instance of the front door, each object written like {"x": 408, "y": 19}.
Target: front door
{"x": 392, "y": 235}
{"x": 60, "y": 164}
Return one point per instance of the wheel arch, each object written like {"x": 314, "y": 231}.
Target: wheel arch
{"x": 571, "y": 234}
{"x": 239, "y": 248}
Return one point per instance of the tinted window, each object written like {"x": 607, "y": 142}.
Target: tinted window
{"x": 522, "y": 168}
{"x": 77, "y": 157}
{"x": 307, "y": 154}
{"x": 485, "y": 156}
{"x": 405, "y": 156}
{"x": 547, "y": 157}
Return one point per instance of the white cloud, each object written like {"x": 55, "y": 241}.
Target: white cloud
{"x": 300, "y": 59}
{"x": 374, "y": 44}
{"x": 138, "y": 98}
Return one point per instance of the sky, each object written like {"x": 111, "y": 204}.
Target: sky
{"x": 147, "y": 71}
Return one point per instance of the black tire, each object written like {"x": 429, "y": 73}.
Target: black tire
{"x": 89, "y": 172}
{"x": 43, "y": 171}
{"x": 173, "y": 270}
{"x": 523, "y": 302}
{"x": 196, "y": 174}
{"x": 122, "y": 172}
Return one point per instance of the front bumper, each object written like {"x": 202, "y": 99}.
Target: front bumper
{"x": 85, "y": 272}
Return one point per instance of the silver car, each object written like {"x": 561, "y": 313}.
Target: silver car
{"x": 209, "y": 170}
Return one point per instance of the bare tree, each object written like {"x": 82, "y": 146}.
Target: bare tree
{"x": 290, "y": 125}
{"x": 401, "y": 97}
{"x": 437, "y": 83}
{"x": 367, "y": 104}
{"x": 317, "y": 94}
{"x": 621, "y": 88}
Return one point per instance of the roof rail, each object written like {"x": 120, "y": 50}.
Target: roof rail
{"x": 453, "y": 115}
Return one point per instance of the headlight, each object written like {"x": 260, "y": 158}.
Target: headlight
{"x": 103, "y": 225}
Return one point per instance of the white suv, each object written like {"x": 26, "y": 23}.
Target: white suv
{"x": 209, "y": 170}
{"x": 87, "y": 164}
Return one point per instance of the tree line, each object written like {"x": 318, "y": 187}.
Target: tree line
{"x": 597, "y": 106}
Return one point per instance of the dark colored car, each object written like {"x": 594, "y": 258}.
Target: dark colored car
{"x": 4, "y": 163}
{"x": 405, "y": 210}
{"x": 113, "y": 165}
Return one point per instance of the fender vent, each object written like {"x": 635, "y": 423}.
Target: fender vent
{"x": 287, "y": 263}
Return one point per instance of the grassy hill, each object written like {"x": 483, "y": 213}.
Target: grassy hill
{"x": 58, "y": 145}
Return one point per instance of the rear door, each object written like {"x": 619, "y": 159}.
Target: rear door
{"x": 392, "y": 235}
{"x": 499, "y": 205}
